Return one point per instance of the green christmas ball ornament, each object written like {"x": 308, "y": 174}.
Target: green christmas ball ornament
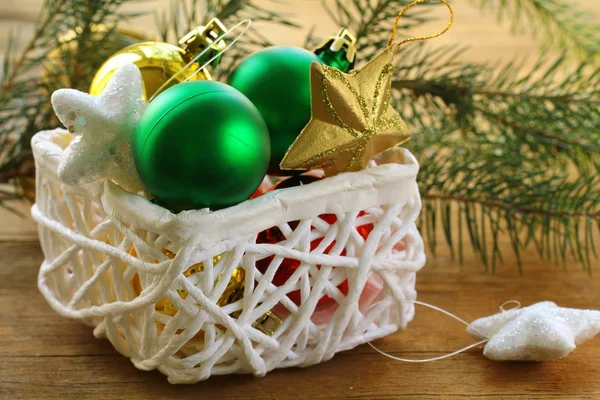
{"x": 201, "y": 144}
{"x": 277, "y": 81}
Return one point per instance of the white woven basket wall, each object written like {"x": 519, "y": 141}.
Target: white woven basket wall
{"x": 98, "y": 240}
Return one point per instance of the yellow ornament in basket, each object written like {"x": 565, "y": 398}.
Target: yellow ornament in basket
{"x": 233, "y": 292}
{"x": 160, "y": 61}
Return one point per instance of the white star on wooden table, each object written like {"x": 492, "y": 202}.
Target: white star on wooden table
{"x": 541, "y": 332}
{"x": 102, "y": 127}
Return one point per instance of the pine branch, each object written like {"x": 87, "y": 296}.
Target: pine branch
{"x": 536, "y": 110}
{"x": 557, "y": 23}
{"x": 66, "y": 49}
{"x": 491, "y": 194}
{"x": 503, "y": 149}
{"x": 507, "y": 151}
{"x": 47, "y": 17}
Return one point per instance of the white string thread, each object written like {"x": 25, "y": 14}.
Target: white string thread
{"x": 517, "y": 304}
{"x": 429, "y": 359}
{"x": 448, "y": 313}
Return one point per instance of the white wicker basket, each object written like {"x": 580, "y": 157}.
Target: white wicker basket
{"x": 106, "y": 265}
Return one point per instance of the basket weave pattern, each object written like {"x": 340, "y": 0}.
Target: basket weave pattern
{"x": 107, "y": 264}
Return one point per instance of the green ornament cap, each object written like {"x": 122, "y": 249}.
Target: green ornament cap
{"x": 201, "y": 144}
{"x": 338, "y": 51}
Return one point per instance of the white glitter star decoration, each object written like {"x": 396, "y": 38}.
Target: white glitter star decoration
{"x": 541, "y": 332}
{"x": 102, "y": 129}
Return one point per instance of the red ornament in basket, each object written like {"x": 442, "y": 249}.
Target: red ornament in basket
{"x": 288, "y": 266}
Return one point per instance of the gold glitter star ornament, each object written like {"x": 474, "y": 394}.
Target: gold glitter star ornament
{"x": 102, "y": 129}
{"x": 352, "y": 119}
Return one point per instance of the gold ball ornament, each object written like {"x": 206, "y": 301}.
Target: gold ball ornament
{"x": 233, "y": 292}
{"x": 159, "y": 62}
{"x": 268, "y": 323}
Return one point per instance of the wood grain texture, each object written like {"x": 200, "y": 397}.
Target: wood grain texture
{"x": 46, "y": 356}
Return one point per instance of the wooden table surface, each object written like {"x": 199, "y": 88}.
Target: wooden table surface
{"x": 46, "y": 356}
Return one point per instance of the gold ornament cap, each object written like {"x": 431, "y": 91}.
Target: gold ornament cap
{"x": 204, "y": 37}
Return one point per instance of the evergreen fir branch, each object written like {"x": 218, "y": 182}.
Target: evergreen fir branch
{"x": 558, "y": 23}
{"x": 491, "y": 193}
{"x": 497, "y": 143}
{"x": 498, "y": 147}
{"x": 50, "y": 61}
{"x": 535, "y": 110}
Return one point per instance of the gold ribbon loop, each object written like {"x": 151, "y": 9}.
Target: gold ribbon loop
{"x": 414, "y": 39}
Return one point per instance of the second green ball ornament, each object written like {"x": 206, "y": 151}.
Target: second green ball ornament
{"x": 201, "y": 144}
{"x": 277, "y": 81}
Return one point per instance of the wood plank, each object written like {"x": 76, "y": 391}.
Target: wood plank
{"x": 20, "y": 10}
{"x": 17, "y": 227}
{"x": 45, "y": 355}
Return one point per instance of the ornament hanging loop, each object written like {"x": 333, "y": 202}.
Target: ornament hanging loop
{"x": 414, "y": 39}
{"x": 223, "y": 34}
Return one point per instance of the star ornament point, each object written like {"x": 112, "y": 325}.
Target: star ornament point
{"x": 102, "y": 129}
{"x": 351, "y": 119}
{"x": 540, "y": 332}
